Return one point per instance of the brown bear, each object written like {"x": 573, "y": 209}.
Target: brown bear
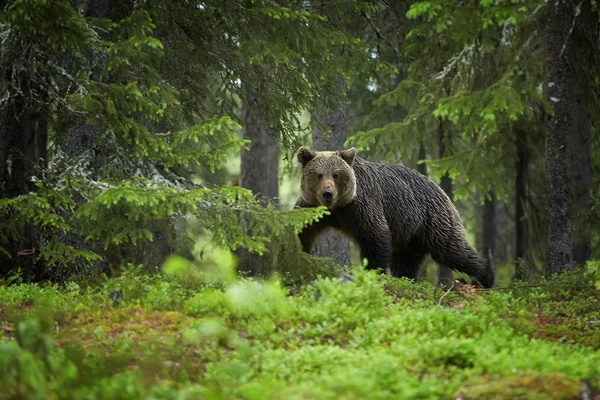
{"x": 395, "y": 214}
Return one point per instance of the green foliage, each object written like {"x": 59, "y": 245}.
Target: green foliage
{"x": 108, "y": 75}
{"x": 476, "y": 70}
{"x": 128, "y": 210}
{"x": 375, "y": 337}
{"x": 159, "y": 90}
{"x": 592, "y": 272}
{"x": 45, "y": 208}
{"x": 288, "y": 52}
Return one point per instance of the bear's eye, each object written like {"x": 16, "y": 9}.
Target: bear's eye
{"x": 335, "y": 176}
{"x": 320, "y": 176}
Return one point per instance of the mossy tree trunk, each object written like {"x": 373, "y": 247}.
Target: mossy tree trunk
{"x": 331, "y": 135}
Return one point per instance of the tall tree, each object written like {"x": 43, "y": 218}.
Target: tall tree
{"x": 422, "y": 167}
{"x": 445, "y": 275}
{"x": 585, "y": 35}
{"x": 330, "y": 133}
{"x": 260, "y": 164}
{"x": 581, "y": 178}
{"x": 521, "y": 214}
{"x": 15, "y": 173}
{"x": 23, "y": 141}
{"x": 83, "y": 138}
{"x": 259, "y": 167}
{"x": 488, "y": 228}
{"x": 559, "y": 83}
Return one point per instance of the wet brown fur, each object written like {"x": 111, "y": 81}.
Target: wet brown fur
{"x": 395, "y": 214}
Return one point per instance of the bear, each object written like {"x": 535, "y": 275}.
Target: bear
{"x": 396, "y": 215}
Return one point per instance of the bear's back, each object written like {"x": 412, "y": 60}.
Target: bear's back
{"x": 406, "y": 198}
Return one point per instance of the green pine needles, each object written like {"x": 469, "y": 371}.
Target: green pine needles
{"x": 474, "y": 72}
{"x": 92, "y": 79}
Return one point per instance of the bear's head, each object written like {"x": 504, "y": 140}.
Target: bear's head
{"x": 327, "y": 177}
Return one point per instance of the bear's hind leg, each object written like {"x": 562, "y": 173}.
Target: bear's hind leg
{"x": 407, "y": 263}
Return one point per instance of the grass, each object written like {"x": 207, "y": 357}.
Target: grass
{"x": 373, "y": 338}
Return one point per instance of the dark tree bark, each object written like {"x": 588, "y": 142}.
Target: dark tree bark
{"x": 584, "y": 31}
{"x": 521, "y": 215}
{"x": 105, "y": 8}
{"x": 13, "y": 150}
{"x": 260, "y": 165}
{"x": 581, "y": 176}
{"x": 445, "y": 274}
{"x": 23, "y": 154}
{"x": 585, "y": 34}
{"x": 259, "y": 169}
{"x": 422, "y": 168}
{"x": 13, "y": 173}
{"x": 332, "y": 244}
{"x": 559, "y": 83}
{"x": 489, "y": 230}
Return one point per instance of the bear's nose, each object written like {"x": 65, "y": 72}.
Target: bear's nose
{"x": 327, "y": 195}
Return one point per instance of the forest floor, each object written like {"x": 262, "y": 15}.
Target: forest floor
{"x": 164, "y": 337}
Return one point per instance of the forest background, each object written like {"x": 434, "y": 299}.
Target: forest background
{"x": 123, "y": 124}
{"x": 148, "y": 177}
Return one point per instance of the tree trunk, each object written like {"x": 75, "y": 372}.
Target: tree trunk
{"x": 23, "y": 154}
{"x": 489, "y": 230}
{"x": 259, "y": 169}
{"x": 82, "y": 138}
{"x": 14, "y": 179}
{"x": 521, "y": 215}
{"x": 422, "y": 168}
{"x": 332, "y": 244}
{"x": 559, "y": 83}
{"x": 260, "y": 165}
{"x": 445, "y": 275}
{"x": 36, "y": 142}
{"x": 85, "y": 138}
{"x": 101, "y": 8}
{"x": 581, "y": 177}
{"x": 584, "y": 32}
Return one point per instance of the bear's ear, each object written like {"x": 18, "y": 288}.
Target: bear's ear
{"x": 347, "y": 155}
{"x": 305, "y": 155}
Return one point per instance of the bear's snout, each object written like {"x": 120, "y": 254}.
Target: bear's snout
{"x": 327, "y": 196}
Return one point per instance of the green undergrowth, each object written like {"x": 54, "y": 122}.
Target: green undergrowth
{"x": 374, "y": 337}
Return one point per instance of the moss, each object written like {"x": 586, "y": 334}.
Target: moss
{"x": 374, "y": 337}
{"x": 529, "y": 386}
{"x": 138, "y": 325}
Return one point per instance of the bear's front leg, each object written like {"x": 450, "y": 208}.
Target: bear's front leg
{"x": 310, "y": 233}
{"x": 378, "y": 254}
{"x": 375, "y": 245}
